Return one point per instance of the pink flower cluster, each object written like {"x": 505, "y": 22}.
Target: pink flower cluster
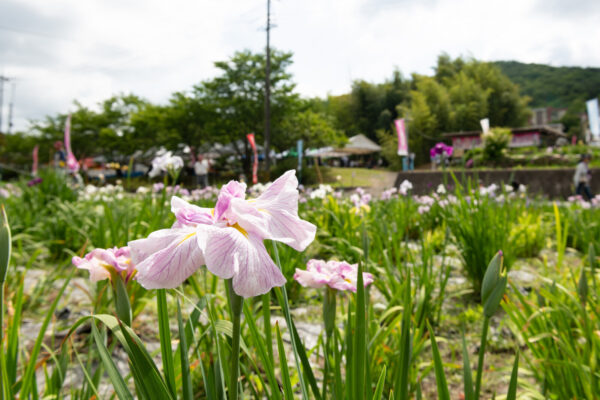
{"x": 361, "y": 200}
{"x": 100, "y": 263}
{"x": 389, "y": 193}
{"x": 579, "y": 200}
{"x": 337, "y": 275}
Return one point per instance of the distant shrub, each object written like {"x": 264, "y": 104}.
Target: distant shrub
{"x": 494, "y": 143}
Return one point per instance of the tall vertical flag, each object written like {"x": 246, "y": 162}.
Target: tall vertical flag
{"x": 402, "y": 137}
{"x": 485, "y": 125}
{"x": 34, "y": 167}
{"x": 593, "y": 117}
{"x": 72, "y": 163}
{"x": 250, "y": 137}
{"x": 300, "y": 150}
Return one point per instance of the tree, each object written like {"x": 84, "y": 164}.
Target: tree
{"x": 235, "y": 99}
{"x": 314, "y": 128}
{"x": 106, "y": 131}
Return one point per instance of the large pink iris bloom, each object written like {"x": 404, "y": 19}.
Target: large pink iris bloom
{"x": 100, "y": 263}
{"x": 337, "y": 275}
{"x": 227, "y": 239}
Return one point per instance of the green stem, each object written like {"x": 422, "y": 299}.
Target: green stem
{"x": 486, "y": 324}
{"x": 236, "y": 302}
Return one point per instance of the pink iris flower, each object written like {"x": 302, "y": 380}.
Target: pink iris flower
{"x": 101, "y": 263}
{"x": 227, "y": 239}
{"x": 337, "y": 275}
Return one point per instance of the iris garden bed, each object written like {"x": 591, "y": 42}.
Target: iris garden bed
{"x": 428, "y": 256}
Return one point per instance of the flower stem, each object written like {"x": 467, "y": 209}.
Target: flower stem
{"x": 486, "y": 324}
{"x": 236, "y": 302}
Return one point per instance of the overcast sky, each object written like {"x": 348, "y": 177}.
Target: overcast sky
{"x": 64, "y": 50}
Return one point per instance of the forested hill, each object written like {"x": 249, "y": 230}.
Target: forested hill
{"x": 553, "y": 86}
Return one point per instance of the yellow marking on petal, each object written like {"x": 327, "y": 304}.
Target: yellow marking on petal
{"x": 240, "y": 229}
{"x": 186, "y": 238}
{"x": 212, "y": 212}
{"x": 348, "y": 280}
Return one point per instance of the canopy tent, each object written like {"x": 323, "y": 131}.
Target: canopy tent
{"x": 359, "y": 144}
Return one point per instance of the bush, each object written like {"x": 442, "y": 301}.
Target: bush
{"x": 494, "y": 143}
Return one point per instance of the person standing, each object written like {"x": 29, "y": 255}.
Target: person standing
{"x": 201, "y": 167}
{"x": 582, "y": 178}
{"x": 60, "y": 157}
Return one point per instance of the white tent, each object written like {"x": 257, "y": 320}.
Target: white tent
{"x": 360, "y": 144}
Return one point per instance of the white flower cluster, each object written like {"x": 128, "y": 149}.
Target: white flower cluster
{"x": 405, "y": 187}
{"x": 165, "y": 162}
{"x": 321, "y": 192}
{"x": 10, "y": 190}
{"x": 104, "y": 193}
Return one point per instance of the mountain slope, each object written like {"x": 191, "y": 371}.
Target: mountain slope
{"x": 553, "y": 86}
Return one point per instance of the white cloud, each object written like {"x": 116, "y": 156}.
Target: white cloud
{"x": 88, "y": 50}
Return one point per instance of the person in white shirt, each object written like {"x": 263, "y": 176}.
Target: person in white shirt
{"x": 582, "y": 178}
{"x": 201, "y": 167}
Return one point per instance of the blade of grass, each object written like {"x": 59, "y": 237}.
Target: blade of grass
{"x": 142, "y": 365}
{"x": 467, "y": 374}
{"x": 88, "y": 378}
{"x": 360, "y": 345}
{"x": 165, "y": 339}
{"x": 5, "y": 250}
{"x": 402, "y": 381}
{"x": 285, "y": 373}
{"x": 514, "y": 377}
{"x": 281, "y": 294}
{"x": 186, "y": 379}
{"x": 380, "y": 384}
{"x": 440, "y": 376}
{"x": 262, "y": 351}
{"x": 109, "y": 365}
{"x": 29, "y": 374}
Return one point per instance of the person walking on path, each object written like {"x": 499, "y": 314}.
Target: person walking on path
{"x": 582, "y": 178}
{"x": 201, "y": 170}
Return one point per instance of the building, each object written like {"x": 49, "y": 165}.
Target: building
{"x": 546, "y": 115}
{"x": 541, "y": 135}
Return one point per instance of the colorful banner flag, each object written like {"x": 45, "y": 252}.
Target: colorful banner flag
{"x": 402, "y": 137}
{"x": 485, "y": 125}
{"x": 250, "y": 137}
{"x": 300, "y": 146}
{"x": 72, "y": 163}
{"x": 34, "y": 168}
{"x": 593, "y": 117}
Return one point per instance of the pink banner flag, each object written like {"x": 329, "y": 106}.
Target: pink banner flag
{"x": 250, "y": 137}
{"x": 72, "y": 163}
{"x": 34, "y": 168}
{"x": 402, "y": 139}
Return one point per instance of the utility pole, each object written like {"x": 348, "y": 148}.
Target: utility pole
{"x": 2, "y": 80}
{"x": 13, "y": 87}
{"x": 268, "y": 95}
